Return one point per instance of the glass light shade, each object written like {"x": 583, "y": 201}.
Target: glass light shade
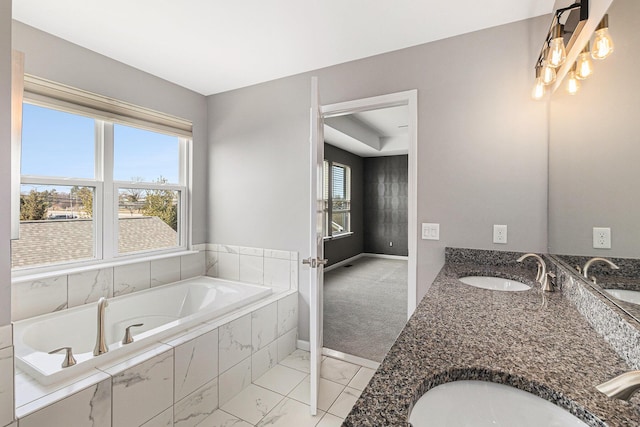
{"x": 584, "y": 66}
{"x": 573, "y": 84}
{"x": 557, "y": 52}
{"x": 538, "y": 88}
{"x": 548, "y": 74}
{"x": 602, "y": 44}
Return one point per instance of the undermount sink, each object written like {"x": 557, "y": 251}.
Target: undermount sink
{"x": 482, "y": 403}
{"x": 625, "y": 295}
{"x": 494, "y": 283}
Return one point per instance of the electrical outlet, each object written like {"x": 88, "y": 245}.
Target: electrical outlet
{"x": 430, "y": 231}
{"x": 500, "y": 234}
{"x": 601, "y": 237}
{"x": 390, "y": 244}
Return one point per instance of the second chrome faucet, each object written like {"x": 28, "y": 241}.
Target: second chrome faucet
{"x": 585, "y": 269}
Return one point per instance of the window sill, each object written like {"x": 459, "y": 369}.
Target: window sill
{"x": 338, "y": 236}
{"x": 26, "y": 276}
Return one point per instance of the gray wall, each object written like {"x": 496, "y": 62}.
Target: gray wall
{"x": 595, "y": 147}
{"x": 482, "y": 147}
{"x": 5, "y": 161}
{"x": 58, "y": 60}
{"x": 386, "y": 198}
{"x": 346, "y": 247}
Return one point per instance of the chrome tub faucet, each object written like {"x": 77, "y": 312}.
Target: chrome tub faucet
{"x": 101, "y": 346}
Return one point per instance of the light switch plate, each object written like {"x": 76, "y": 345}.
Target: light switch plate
{"x": 500, "y": 234}
{"x": 430, "y": 231}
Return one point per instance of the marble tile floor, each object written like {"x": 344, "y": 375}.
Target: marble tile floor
{"x": 280, "y": 397}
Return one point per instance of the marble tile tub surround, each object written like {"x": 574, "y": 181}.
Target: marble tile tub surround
{"x": 31, "y": 298}
{"x": 269, "y": 267}
{"x": 181, "y": 381}
{"x": 532, "y": 340}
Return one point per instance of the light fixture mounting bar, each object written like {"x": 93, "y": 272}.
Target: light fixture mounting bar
{"x": 583, "y": 5}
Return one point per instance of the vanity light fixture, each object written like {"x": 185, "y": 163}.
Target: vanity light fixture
{"x": 602, "y": 43}
{"x": 573, "y": 84}
{"x": 584, "y": 66}
{"x": 539, "y": 87}
{"x": 554, "y": 53}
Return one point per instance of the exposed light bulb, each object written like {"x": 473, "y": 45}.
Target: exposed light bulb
{"x": 539, "y": 87}
{"x": 548, "y": 74}
{"x": 584, "y": 66}
{"x": 573, "y": 85}
{"x": 557, "y": 53}
{"x": 602, "y": 43}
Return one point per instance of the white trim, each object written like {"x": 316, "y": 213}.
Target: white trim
{"x": 343, "y": 262}
{"x": 338, "y": 236}
{"x": 350, "y": 358}
{"x": 385, "y": 256}
{"x": 304, "y": 345}
{"x": 412, "y": 268}
{"x": 20, "y": 276}
{"x": 17, "y": 92}
{"x": 409, "y": 98}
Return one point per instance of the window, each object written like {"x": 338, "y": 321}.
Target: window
{"x": 96, "y": 190}
{"x": 337, "y": 198}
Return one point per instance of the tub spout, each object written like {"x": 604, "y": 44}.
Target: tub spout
{"x": 101, "y": 346}
{"x": 621, "y": 387}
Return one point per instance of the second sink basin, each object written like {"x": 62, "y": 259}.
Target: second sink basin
{"x": 481, "y": 403}
{"x": 625, "y": 295}
{"x": 494, "y": 283}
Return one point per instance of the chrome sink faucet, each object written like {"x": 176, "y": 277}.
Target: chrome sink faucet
{"x": 621, "y": 387}
{"x": 101, "y": 346}
{"x": 541, "y": 276}
{"x": 585, "y": 269}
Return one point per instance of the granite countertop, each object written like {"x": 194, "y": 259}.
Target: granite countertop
{"x": 532, "y": 340}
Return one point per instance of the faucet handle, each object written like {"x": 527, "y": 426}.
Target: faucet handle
{"x": 128, "y": 338}
{"x": 69, "y": 360}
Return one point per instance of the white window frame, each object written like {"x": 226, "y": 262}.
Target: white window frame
{"x": 329, "y": 234}
{"x": 105, "y": 220}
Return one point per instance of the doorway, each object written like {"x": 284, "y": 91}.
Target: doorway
{"x": 360, "y": 286}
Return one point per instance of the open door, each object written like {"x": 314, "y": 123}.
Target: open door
{"x": 316, "y": 259}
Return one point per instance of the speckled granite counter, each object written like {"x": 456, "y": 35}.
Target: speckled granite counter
{"x": 532, "y": 340}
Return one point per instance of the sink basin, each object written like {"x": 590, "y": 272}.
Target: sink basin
{"x": 481, "y": 403}
{"x": 625, "y": 295}
{"x": 495, "y": 283}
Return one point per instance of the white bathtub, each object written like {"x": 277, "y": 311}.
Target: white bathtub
{"x": 164, "y": 311}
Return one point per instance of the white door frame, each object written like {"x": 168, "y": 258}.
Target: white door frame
{"x": 409, "y": 98}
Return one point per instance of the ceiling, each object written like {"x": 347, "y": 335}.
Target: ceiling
{"x": 374, "y": 133}
{"x": 212, "y": 46}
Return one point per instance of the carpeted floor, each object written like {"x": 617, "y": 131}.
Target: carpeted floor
{"x": 365, "y": 306}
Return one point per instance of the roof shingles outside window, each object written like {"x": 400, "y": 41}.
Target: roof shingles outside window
{"x": 57, "y": 241}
